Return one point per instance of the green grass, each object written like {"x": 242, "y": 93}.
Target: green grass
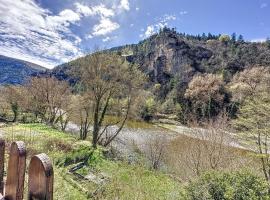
{"x": 123, "y": 181}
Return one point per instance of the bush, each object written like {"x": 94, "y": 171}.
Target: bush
{"x": 149, "y": 109}
{"x": 81, "y": 154}
{"x": 228, "y": 186}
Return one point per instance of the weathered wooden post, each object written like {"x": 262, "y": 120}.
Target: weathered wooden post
{"x": 40, "y": 181}
{"x": 16, "y": 172}
{"x": 2, "y": 161}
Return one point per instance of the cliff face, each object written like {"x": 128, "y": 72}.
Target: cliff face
{"x": 169, "y": 57}
{"x": 165, "y": 55}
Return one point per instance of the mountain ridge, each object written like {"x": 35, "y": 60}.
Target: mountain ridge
{"x": 16, "y": 71}
{"x": 169, "y": 55}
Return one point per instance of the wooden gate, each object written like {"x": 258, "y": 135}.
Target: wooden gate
{"x": 40, "y": 174}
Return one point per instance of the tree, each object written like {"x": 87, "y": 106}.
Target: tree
{"x": 155, "y": 150}
{"x": 207, "y": 94}
{"x": 268, "y": 42}
{"x": 233, "y": 37}
{"x": 82, "y": 114}
{"x": 224, "y": 39}
{"x": 254, "y": 114}
{"x": 48, "y": 98}
{"x": 240, "y": 39}
{"x": 253, "y": 122}
{"x": 249, "y": 82}
{"x": 14, "y": 96}
{"x": 208, "y": 148}
{"x": 107, "y": 80}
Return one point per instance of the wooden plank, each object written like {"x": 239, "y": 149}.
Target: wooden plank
{"x": 2, "y": 164}
{"x": 40, "y": 181}
{"x": 16, "y": 172}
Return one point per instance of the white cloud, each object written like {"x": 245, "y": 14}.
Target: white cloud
{"x": 183, "y": 13}
{"x": 106, "y": 39}
{"x": 105, "y": 24}
{"x": 104, "y": 27}
{"x": 137, "y": 8}
{"x": 35, "y": 34}
{"x": 109, "y": 39}
{"x": 32, "y": 33}
{"x": 259, "y": 40}
{"x": 124, "y": 4}
{"x": 84, "y": 10}
{"x": 65, "y": 18}
{"x": 100, "y": 10}
{"x": 264, "y": 5}
{"x": 168, "y": 18}
{"x": 150, "y": 30}
{"x": 154, "y": 28}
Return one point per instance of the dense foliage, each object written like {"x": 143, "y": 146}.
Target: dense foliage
{"x": 227, "y": 186}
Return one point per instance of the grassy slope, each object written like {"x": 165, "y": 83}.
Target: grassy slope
{"x": 125, "y": 182}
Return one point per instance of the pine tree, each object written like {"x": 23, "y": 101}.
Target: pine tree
{"x": 268, "y": 42}
{"x": 233, "y": 37}
{"x": 240, "y": 38}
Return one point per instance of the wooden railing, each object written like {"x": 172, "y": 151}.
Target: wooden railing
{"x": 40, "y": 174}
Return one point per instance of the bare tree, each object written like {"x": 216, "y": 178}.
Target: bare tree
{"x": 82, "y": 114}
{"x": 107, "y": 79}
{"x": 155, "y": 150}
{"x": 207, "y": 148}
{"x": 48, "y": 97}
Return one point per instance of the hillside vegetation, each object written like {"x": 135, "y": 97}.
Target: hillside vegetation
{"x": 175, "y": 63}
{"x": 14, "y": 71}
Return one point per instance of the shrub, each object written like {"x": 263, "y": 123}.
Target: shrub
{"x": 149, "y": 109}
{"x": 228, "y": 186}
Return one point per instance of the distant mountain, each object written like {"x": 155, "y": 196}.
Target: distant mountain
{"x": 15, "y": 71}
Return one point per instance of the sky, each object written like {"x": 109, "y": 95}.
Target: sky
{"x": 52, "y": 32}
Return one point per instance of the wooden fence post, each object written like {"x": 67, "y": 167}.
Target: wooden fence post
{"x": 2, "y": 165}
{"x": 40, "y": 181}
{"x": 16, "y": 172}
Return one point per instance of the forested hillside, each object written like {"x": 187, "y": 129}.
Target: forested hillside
{"x": 176, "y": 62}
{"x": 14, "y": 71}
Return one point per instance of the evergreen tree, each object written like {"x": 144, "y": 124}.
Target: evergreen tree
{"x": 240, "y": 38}
{"x": 233, "y": 37}
{"x": 268, "y": 42}
{"x": 204, "y": 37}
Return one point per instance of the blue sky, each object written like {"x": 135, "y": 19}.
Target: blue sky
{"x": 51, "y": 32}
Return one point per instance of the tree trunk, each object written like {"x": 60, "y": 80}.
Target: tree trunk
{"x": 96, "y": 125}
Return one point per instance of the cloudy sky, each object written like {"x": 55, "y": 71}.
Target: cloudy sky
{"x": 51, "y": 32}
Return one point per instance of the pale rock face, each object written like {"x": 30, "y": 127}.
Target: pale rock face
{"x": 168, "y": 55}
